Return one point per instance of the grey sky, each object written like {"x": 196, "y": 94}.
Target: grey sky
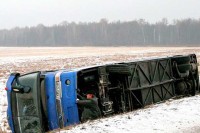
{"x": 32, "y": 12}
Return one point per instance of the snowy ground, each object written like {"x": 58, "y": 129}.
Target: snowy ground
{"x": 173, "y": 116}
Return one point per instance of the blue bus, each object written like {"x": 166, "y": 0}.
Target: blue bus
{"x": 42, "y": 101}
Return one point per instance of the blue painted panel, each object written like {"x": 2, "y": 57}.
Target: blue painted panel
{"x": 69, "y": 96}
{"x": 51, "y": 101}
{"x": 9, "y": 111}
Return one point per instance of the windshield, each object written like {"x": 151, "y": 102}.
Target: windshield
{"x": 25, "y": 106}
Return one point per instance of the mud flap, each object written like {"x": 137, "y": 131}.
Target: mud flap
{"x": 26, "y": 107}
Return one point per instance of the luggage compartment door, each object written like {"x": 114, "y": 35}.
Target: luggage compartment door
{"x": 26, "y": 106}
{"x": 69, "y": 86}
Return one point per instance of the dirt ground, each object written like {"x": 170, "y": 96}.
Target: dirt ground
{"x": 27, "y": 59}
{"x": 89, "y": 51}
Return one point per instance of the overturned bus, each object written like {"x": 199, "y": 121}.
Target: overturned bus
{"x": 46, "y": 100}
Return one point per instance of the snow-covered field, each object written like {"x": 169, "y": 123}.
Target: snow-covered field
{"x": 172, "y": 116}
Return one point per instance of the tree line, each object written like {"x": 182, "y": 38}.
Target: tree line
{"x": 184, "y": 32}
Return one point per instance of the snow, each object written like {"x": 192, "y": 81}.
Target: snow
{"x": 172, "y": 116}
{"x": 3, "y": 109}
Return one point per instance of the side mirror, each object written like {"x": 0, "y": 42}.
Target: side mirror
{"x": 21, "y": 89}
{"x": 18, "y": 88}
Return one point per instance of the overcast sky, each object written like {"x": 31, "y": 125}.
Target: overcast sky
{"x": 48, "y": 12}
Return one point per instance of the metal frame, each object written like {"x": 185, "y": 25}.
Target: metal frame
{"x": 151, "y": 81}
